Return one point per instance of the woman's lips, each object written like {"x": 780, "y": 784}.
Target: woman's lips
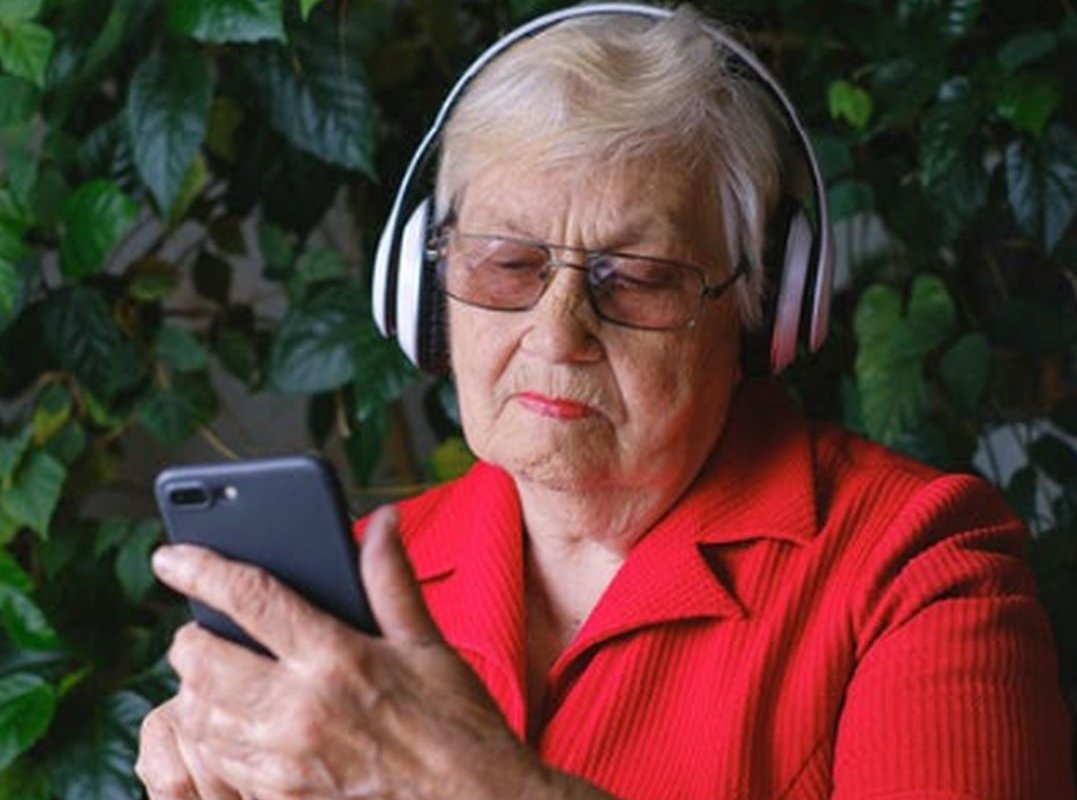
{"x": 555, "y": 407}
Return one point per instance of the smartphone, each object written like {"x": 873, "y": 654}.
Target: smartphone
{"x": 285, "y": 515}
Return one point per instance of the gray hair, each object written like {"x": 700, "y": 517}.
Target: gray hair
{"x": 618, "y": 88}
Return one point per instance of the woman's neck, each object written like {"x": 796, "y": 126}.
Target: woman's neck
{"x": 576, "y": 542}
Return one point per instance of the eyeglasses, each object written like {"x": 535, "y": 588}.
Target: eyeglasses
{"x": 506, "y": 274}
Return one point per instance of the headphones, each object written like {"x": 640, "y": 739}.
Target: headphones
{"x": 408, "y": 304}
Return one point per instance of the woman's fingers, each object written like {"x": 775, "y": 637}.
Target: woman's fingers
{"x": 395, "y": 596}
{"x": 171, "y": 769}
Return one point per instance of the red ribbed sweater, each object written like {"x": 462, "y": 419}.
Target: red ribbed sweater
{"x": 816, "y": 618}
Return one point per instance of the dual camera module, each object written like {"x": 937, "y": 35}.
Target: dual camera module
{"x": 193, "y": 496}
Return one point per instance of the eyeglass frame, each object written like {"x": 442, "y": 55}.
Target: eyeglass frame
{"x": 437, "y": 249}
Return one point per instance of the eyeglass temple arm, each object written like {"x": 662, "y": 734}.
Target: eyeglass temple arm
{"x": 716, "y": 289}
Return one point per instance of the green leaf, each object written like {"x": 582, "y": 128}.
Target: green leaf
{"x": 382, "y": 373}
{"x": 12, "y": 11}
{"x": 1041, "y": 182}
{"x": 110, "y": 534}
{"x": 890, "y": 355}
{"x": 9, "y": 528}
{"x": 1025, "y": 48}
{"x": 22, "y": 166}
{"x": 1027, "y": 102}
{"x": 96, "y": 216}
{"x": 11, "y": 245}
{"x": 12, "y": 576}
{"x": 450, "y": 459}
{"x": 18, "y": 100}
{"x": 951, "y": 120}
{"x": 27, "y": 705}
{"x": 238, "y": 354}
{"x": 307, "y": 6}
{"x": 11, "y": 286}
{"x": 892, "y": 396}
{"x": 98, "y": 761}
{"x": 965, "y": 369}
{"x": 194, "y": 182}
{"x": 25, "y": 49}
{"x": 51, "y": 412}
{"x": 24, "y": 623}
{"x": 48, "y": 198}
{"x": 174, "y": 414}
{"x": 931, "y": 312}
{"x": 80, "y": 332}
{"x": 877, "y": 312}
{"x": 168, "y": 104}
{"x": 68, "y": 443}
{"x": 319, "y": 101}
{"x": 314, "y": 266}
{"x": 221, "y": 21}
{"x": 35, "y": 491}
{"x": 179, "y": 349}
{"x": 903, "y": 84}
{"x": 364, "y": 446}
{"x": 133, "y": 561}
{"x": 107, "y": 151}
{"x": 102, "y": 42}
{"x": 313, "y": 348}
{"x": 12, "y": 449}
{"x": 24, "y": 781}
{"x": 277, "y": 247}
{"x": 151, "y": 279}
{"x": 850, "y": 103}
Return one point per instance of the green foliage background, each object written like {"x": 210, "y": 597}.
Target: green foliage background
{"x": 948, "y": 136}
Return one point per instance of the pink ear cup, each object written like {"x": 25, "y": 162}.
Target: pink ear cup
{"x": 798, "y": 244}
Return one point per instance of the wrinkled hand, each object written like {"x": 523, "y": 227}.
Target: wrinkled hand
{"x": 338, "y": 714}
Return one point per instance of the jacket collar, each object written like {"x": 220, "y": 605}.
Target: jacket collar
{"x": 757, "y": 485}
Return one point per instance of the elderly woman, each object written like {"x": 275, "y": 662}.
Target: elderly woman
{"x": 660, "y": 581}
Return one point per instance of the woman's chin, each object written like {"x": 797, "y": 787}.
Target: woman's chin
{"x": 566, "y": 468}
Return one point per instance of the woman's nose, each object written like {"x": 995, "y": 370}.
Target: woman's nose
{"x": 563, "y": 327}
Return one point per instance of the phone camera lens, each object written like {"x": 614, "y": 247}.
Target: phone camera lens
{"x": 190, "y": 496}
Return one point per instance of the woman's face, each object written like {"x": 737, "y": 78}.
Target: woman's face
{"x": 558, "y": 396}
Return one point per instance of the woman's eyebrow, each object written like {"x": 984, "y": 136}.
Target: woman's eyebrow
{"x": 653, "y": 229}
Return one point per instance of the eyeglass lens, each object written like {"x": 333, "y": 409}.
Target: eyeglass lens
{"x": 511, "y": 275}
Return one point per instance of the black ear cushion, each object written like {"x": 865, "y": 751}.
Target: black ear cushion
{"x": 433, "y": 322}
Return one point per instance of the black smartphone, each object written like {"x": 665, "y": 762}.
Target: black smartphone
{"x": 285, "y": 515}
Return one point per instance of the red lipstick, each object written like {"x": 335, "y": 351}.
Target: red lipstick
{"x": 555, "y": 407}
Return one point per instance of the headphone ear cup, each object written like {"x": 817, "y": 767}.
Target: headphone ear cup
{"x": 414, "y": 241}
{"x": 796, "y": 264}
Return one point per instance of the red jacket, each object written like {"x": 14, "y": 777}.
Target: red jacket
{"x": 816, "y": 618}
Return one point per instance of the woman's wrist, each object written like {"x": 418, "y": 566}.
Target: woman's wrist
{"x": 530, "y": 779}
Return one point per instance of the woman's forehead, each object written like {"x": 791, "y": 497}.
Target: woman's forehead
{"x": 632, "y": 200}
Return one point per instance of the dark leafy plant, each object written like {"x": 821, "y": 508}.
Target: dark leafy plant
{"x": 153, "y": 151}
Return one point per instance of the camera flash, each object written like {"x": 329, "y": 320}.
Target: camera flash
{"x": 230, "y": 493}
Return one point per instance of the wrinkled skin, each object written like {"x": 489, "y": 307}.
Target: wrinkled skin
{"x": 339, "y": 714}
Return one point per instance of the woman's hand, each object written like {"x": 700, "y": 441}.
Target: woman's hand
{"x": 171, "y": 768}
{"x": 338, "y": 714}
